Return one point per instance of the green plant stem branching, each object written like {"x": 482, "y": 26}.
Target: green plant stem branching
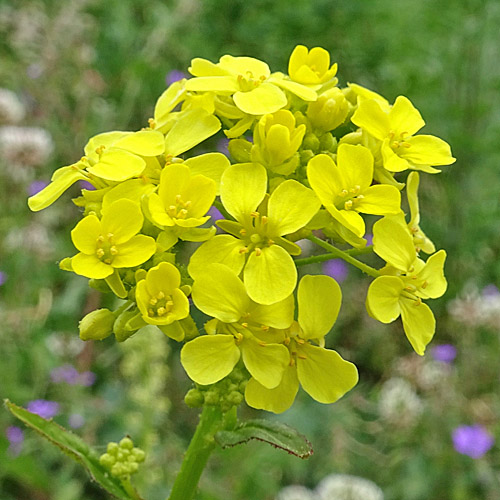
{"x": 334, "y": 253}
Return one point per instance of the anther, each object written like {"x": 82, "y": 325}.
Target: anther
{"x": 160, "y": 295}
{"x": 244, "y": 325}
{"x": 262, "y": 344}
{"x": 152, "y": 123}
{"x": 243, "y": 250}
{"x": 348, "y": 205}
{"x": 301, "y": 356}
{"x": 424, "y": 284}
{"x": 153, "y": 301}
{"x": 254, "y": 214}
{"x": 161, "y": 311}
{"x": 258, "y": 252}
{"x": 113, "y": 250}
{"x": 100, "y": 239}
{"x": 100, "y": 253}
{"x": 344, "y": 192}
{"x": 270, "y": 242}
{"x": 264, "y": 327}
{"x": 109, "y": 236}
{"x": 243, "y": 232}
{"x": 264, "y": 219}
{"x": 418, "y": 301}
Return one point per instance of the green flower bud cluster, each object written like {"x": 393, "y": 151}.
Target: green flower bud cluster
{"x": 227, "y": 393}
{"x": 122, "y": 459}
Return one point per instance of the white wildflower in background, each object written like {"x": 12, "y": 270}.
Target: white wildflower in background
{"x": 399, "y": 403}
{"x": 33, "y": 238}
{"x": 65, "y": 345}
{"x": 11, "y": 108}
{"x": 24, "y": 146}
{"x": 346, "y": 487}
{"x": 296, "y": 492}
{"x": 433, "y": 374}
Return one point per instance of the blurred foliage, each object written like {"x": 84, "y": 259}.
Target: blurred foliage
{"x": 84, "y": 66}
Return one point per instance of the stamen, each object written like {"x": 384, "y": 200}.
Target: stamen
{"x": 258, "y": 252}
{"x": 113, "y": 250}
{"x": 100, "y": 253}
{"x": 161, "y": 311}
{"x": 348, "y": 205}
{"x": 243, "y": 250}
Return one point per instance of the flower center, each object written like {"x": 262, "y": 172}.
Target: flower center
{"x": 349, "y": 199}
{"x": 397, "y": 142}
{"x": 248, "y": 82}
{"x": 161, "y": 305}
{"x": 106, "y": 250}
{"x": 181, "y": 208}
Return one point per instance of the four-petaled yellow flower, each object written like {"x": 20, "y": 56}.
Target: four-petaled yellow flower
{"x": 218, "y": 292}
{"x": 395, "y": 128}
{"x": 257, "y": 244}
{"x": 254, "y": 89}
{"x": 345, "y": 188}
{"x": 311, "y": 67}
{"x": 112, "y": 242}
{"x": 323, "y": 373}
{"x": 407, "y": 282}
{"x": 159, "y": 297}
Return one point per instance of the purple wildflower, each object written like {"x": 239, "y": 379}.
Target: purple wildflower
{"x": 215, "y": 214}
{"x": 65, "y": 373}
{"x": 369, "y": 239}
{"x": 472, "y": 440}
{"x": 3, "y": 278}
{"x": 445, "y": 353}
{"x": 174, "y": 76}
{"x": 15, "y": 436}
{"x": 86, "y": 185}
{"x": 490, "y": 290}
{"x": 36, "y": 186}
{"x": 43, "y": 408}
{"x": 87, "y": 379}
{"x": 336, "y": 268}
{"x": 222, "y": 146}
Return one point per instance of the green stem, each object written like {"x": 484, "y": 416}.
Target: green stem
{"x": 127, "y": 486}
{"x": 329, "y": 256}
{"x": 220, "y": 207}
{"x": 337, "y": 253}
{"x": 197, "y": 454}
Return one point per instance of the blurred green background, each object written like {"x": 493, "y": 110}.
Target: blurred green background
{"x": 80, "y": 67}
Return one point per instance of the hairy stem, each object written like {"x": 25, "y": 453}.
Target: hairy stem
{"x": 334, "y": 252}
{"x": 329, "y": 256}
{"x": 197, "y": 454}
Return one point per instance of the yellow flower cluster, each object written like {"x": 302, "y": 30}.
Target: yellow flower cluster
{"x": 304, "y": 155}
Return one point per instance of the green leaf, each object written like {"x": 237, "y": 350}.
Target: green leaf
{"x": 276, "y": 434}
{"x": 73, "y": 446}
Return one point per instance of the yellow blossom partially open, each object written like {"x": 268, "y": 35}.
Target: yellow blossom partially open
{"x": 311, "y": 67}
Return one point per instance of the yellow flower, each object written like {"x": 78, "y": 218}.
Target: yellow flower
{"x": 159, "y": 297}
{"x": 395, "y": 128}
{"x": 329, "y": 111}
{"x": 311, "y": 67}
{"x": 408, "y": 281}
{"x": 218, "y": 292}
{"x": 254, "y": 90}
{"x": 256, "y": 241}
{"x": 276, "y": 142}
{"x": 345, "y": 188}
{"x": 323, "y": 374}
{"x": 112, "y": 156}
{"x": 112, "y": 242}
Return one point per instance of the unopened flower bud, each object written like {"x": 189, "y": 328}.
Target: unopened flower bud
{"x": 97, "y": 325}
{"x": 194, "y": 398}
{"x": 126, "y": 443}
{"x": 119, "y": 326}
{"x": 239, "y": 149}
{"x": 311, "y": 142}
{"x": 329, "y": 110}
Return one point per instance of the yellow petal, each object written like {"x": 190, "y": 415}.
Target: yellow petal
{"x": 209, "y": 358}
{"x": 118, "y": 165}
{"x": 392, "y": 161}
{"x": 297, "y": 59}
{"x": 243, "y": 187}
{"x": 143, "y": 143}
{"x": 380, "y": 199}
{"x": 291, "y": 206}
{"x": 404, "y": 117}
{"x": 90, "y": 266}
{"x": 219, "y": 293}
{"x": 277, "y": 315}
{"x": 382, "y": 300}
{"x": 412, "y": 183}
{"x": 135, "y": 251}
{"x": 319, "y": 299}
{"x": 305, "y": 93}
{"x": 356, "y": 166}
{"x": 223, "y": 249}
{"x": 393, "y": 243}
{"x": 371, "y": 117}
{"x": 167, "y": 102}
{"x": 85, "y": 234}
{"x": 193, "y": 127}
{"x": 419, "y": 324}
{"x": 133, "y": 190}
{"x": 265, "y": 362}
{"x": 203, "y": 67}
{"x": 201, "y": 193}
{"x": 324, "y": 374}
{"x": 270, "y": 276}
{"x": 324, "y": 177}
{"x": 433, "y": 274}
{"x": 211, "y": 165}
{"x": 164, "y": 277}
{"x": 123, "y": 219}
{"x": 264, "y": 99}
{"x": 244, "y": 65}
{"x": 428, "y": 150}
{"x": 66, "y": 177}
{"x": 276, "y": 400}
{"x": 213, "y": 84}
